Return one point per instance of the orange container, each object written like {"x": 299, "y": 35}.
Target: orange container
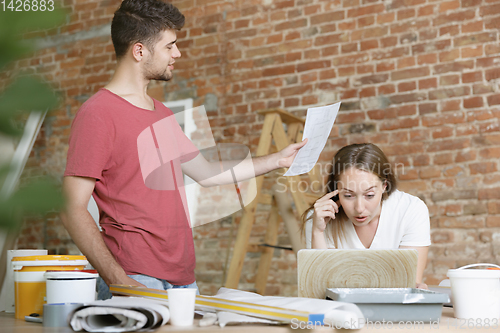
{"x": 29, "y": 280}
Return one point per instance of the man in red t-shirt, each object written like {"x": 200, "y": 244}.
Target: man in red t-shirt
{"x": 127, "y": 150}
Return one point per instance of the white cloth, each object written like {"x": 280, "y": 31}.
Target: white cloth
{"x": 120, "y": 314}
{"x": 404, "y": 221}
{"x": 337, "y": 314}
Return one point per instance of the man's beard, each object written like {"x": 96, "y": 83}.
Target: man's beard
{"x": 151, "y": 74}
{"x": 158, "y": 76}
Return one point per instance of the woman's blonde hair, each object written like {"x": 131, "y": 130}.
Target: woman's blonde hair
{"x": 364, "y": 156}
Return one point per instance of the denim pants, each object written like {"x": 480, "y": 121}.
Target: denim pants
{"x": 150, "y": 282}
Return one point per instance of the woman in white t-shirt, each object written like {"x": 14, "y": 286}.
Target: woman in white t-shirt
{"x": 363, "y": 210}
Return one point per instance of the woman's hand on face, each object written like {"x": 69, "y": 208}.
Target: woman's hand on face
{"x": 324, "y": 210}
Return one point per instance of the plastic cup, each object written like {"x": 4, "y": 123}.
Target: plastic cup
{"x": 181, "y": 304}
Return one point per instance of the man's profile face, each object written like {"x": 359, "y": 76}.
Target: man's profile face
{"x": 158, "y": 63}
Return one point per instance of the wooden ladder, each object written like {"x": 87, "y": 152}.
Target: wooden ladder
{"x": 273, "y": 130}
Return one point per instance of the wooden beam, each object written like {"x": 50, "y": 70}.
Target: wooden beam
{"x": 267, "y": 253}
{"x": 246, "y": 223}
{"x": 286, "y": 117}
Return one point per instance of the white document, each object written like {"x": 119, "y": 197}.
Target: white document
{"x": 319, "y": 123}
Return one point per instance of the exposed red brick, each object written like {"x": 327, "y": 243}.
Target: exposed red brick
{"x": 443, "y": 119}
{"x": 489, "y": 193}
{"x": 487, "y": 61}
{"x": 450, "y": 30}
{"x": 426, "y": 10}
{"x": 386, "y": 89}
{"x": 448, "y": 56}
{"x": 449, "y": 92}
{"x": 385, "y": 17}
{"x": 366, "y": 10}
{"x": 489, "y": 153}
{"x": 405, "y": 14}
{"x": 490, "y": 10}
{"x": 480, "y": 88}
{"x": 364, "y": 69}
{"x": 494, "y": 99}
{"x": 369, "y": 44}
{"x": 427, "y": 83}
{"x": 366, "y": 21}
{"x": 347, "y": 71}
{"x": 465, "y": 156}
{"x": 399, "y": 123}
{"x": 431, "y": 46}
{"x": 388, "y": 41}
{"x": 442, "y": 132}
{"x": 423, "y": 160}
{"x": 473, "y": 102}
{"x": 291, "y": 24}
{"x": 313, "y": 65}
{"x": 430, "y": 58}
{"x": 457, "y": 66}
{"x": 491, "y": 23}
{"x": 458, "y": 16}
{"x": 425, "y": 108}
{"x": 484, "y": 37}
{"x": 472, "y": 77}
{"x": 484, "y": 167}
{"x": 447, "y": 80}
{"x": 349, "y": 48}
{"x": 278, "y": 70}
{"x": 492, "y": 74}
{"x": 492, "y": 49}
{"x": 448, "y": 5}
{"x": 427, "y": 34}
{"x": 410, "y": 73}
{"x": 445, "y": 158}
{"x": 406, "y": 62}
{"x": 407, "y": 86}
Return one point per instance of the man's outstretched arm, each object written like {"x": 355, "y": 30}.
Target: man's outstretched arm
{"x": 216, "y": 173}
{"x": 85, "y": 233}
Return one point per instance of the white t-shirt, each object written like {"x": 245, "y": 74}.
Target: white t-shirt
{"x": 404, "y": 221}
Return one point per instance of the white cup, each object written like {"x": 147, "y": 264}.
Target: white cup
{"x": 181, "y": 304}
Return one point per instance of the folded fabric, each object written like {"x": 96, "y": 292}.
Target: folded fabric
{"x": 120, "y": 314}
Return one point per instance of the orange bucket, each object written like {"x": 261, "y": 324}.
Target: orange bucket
{"x": 29, "y": 280}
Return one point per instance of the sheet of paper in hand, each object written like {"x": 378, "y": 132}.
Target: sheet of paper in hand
{"x": 319, "y": 123}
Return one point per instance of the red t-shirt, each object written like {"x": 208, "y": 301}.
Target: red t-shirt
{"x": 135, "y": 155}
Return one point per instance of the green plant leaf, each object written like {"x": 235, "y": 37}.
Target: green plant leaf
{"x": 38, "y": 197}
{"x": 13, "y": 24}
{"x": 26, "y": 94}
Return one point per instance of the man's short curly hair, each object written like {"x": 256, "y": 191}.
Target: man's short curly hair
{"x": 142, "y": 21}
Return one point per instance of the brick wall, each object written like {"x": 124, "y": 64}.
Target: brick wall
{"x": 419, "y": 78}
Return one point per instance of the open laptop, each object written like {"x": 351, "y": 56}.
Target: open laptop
{"x": 322, "y": 269}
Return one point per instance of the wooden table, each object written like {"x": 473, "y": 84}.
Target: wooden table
{"x": 448, "y": 323}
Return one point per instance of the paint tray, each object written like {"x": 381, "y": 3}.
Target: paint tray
{"x": 393, "y": 304}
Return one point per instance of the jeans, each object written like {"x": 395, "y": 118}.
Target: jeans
{"x": 150, "y": 282}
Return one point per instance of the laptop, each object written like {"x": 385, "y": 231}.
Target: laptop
{"x": 332, "y": 268}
